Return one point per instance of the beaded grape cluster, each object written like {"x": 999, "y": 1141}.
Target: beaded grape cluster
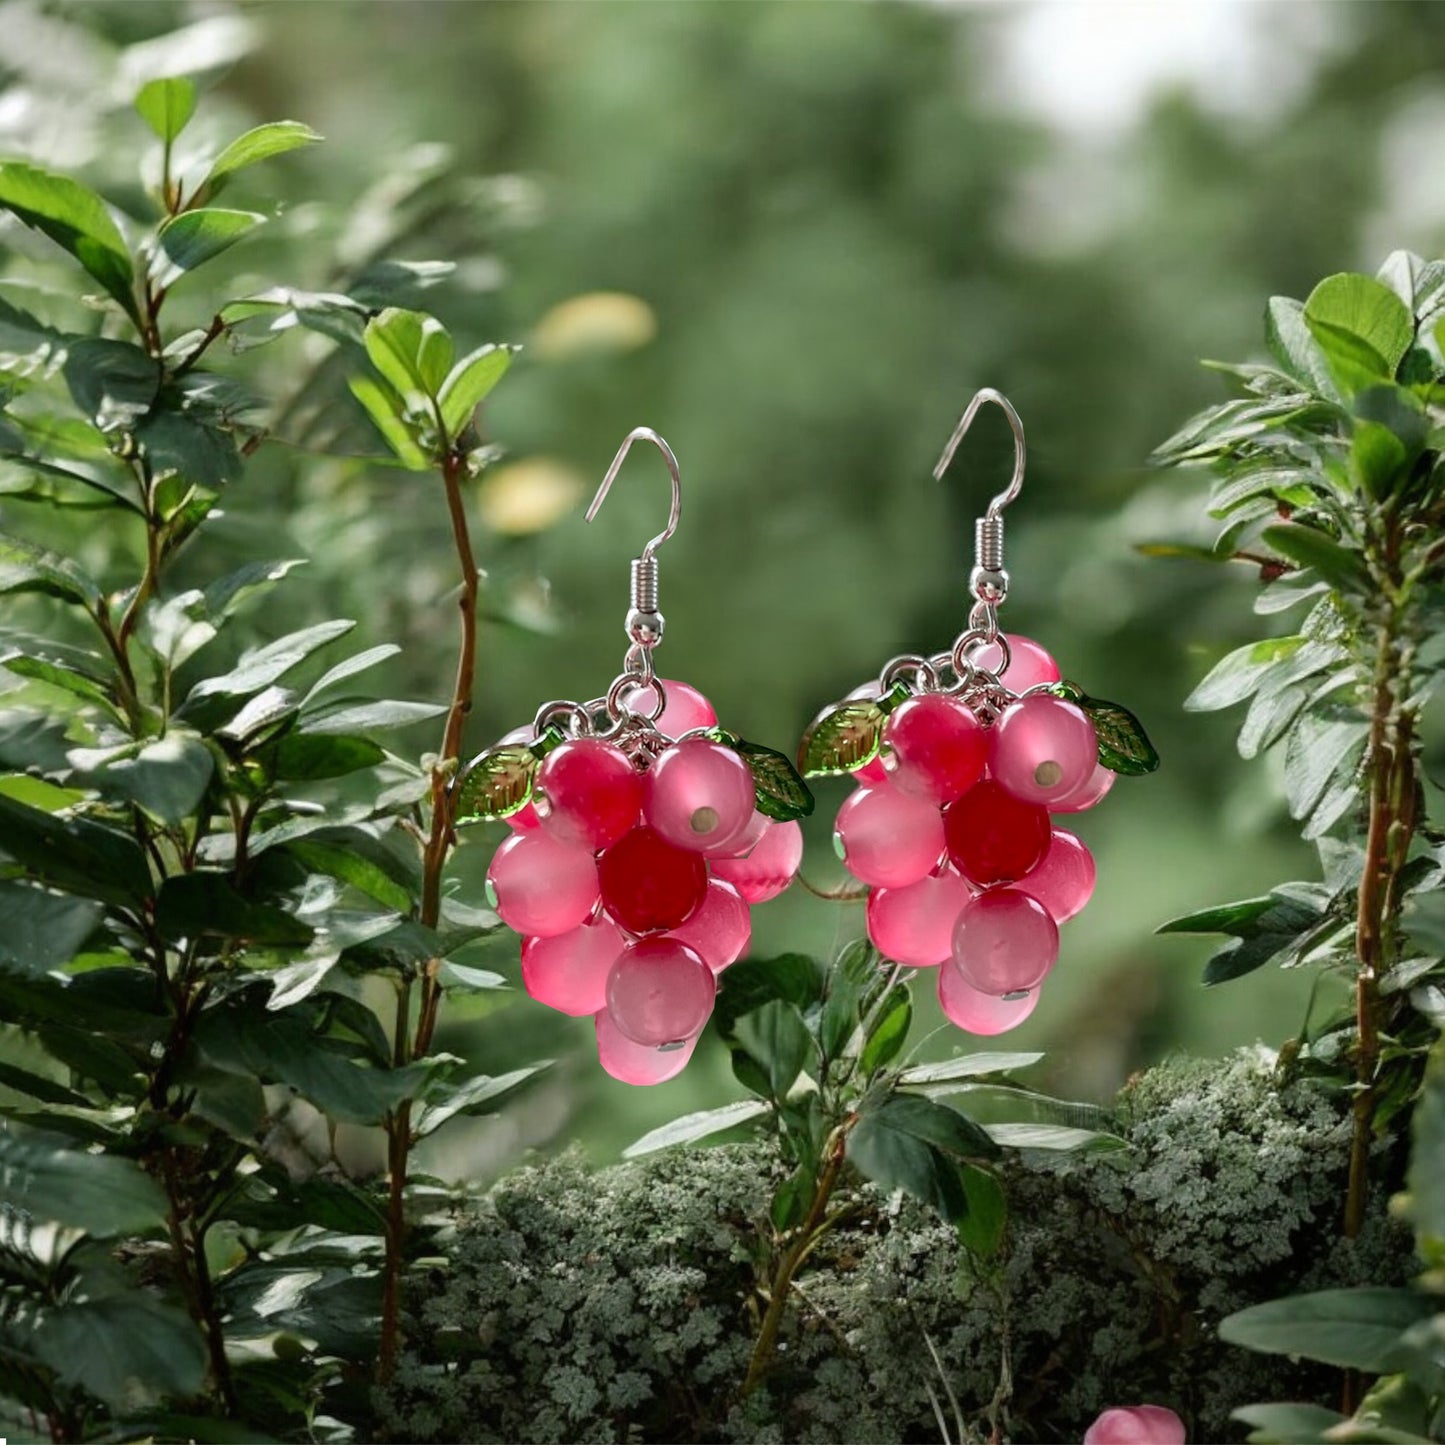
{"x": 950, "y": 825}
{"x": 639, "y": 845}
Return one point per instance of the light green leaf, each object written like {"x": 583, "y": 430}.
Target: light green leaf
{"x": 1362, "y": 327}
{"x": 435, "y": 354}
{"x": 1055, "y": 1137}
{"x": 393, "y": 341}
{"x": 1238, "y": 674}
{"x": 1289, "y": 1424}
{"x": 1339, "y": 566}
{"x": 167, "y": 105}
{"x": 889, "y": 1032}
{"x": 981, "y": 1229}
{"x": 262, "y": 666}
{"x": 260, "y": 144}
{"x": 364, "y": 717}
{"x": 194, "y": 237}
{"x": 967, "y": 1067}
{"x": 476, "y": 1096}
{"x": 496, "y": 785}
{"x": 1357, "y": 1329}
{"x": 692, "y": 1127}
{"x": 843, "y": 740}
{"x": 351, "y": 666}
{"x": 388, "y": 411}
{"x": 24, "y": 567}
{"x": 75, "y": 218}
{"x": 1427, "y": 1154}
{"x": 468, "y": 384}
{"x": 1294, "y": 348}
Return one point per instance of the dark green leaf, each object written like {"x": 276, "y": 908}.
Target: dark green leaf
{"x": 36, "y": 1086}
{"x": 749, "y": 984}
{"x": 352, "y": 716}
{"x": 25, "y": 567}
{"x": 496, "y": 785}
{"x": 1234, "y": 918}
{"x": 1289, "y": 1424}
{"x": 349, "y": 867}
{"x": 888, "y": 1032}
{"x": 302, "y": 758}
{"x": 166, "y": 105}
{"x": 780, "y": 792}
{"x": 1355, "y": 1329}
{"x": 1124, "y": 746}
{"x": 843, "y": 740}
{"x": 76, "y": 854}
{"x": 207, "y": 905}
{"x": 691, "y": 1127}
{"x": 262, "y": 666}
{"x": 1378, "y": 458}
{"x": 1426, "y": 1180}
{"x": 981, "y": 1229}
{"x": 167, "y": 777}
{"x": 75, "y": 218}
{"x": 273, "y": 139}
{"x": 934, "y": 1123}
{"x": 39, "y": 930}
{"x": 850, "y": 983}
{"x": 776, "y": 1038}
{"x": 113, "y": 382}
{"x": 469, "y": 382}
{"x": 105, "y": 1195}
{"x": 226, "y": 595}
{"x": 195, "y": 237}
{"x": 1339, "y": 566}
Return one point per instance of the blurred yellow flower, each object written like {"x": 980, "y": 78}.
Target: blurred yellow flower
{"x": 595, "y": 321}
{"x": 528, "y": 496}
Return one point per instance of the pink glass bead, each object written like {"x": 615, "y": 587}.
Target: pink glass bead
{"x": 888, "y": 838}
{"x": 994, "y": 838}
{"x": 1043, "y": 749}
{"x": 683, "y": 708}
{"x": 569, "y": 971}
{"x": 1064, "y": 881}
{"x": 981, "y": 1013}
{"x": 588, "y": 793}
{"x": 1028, "y": 665}
{"x": 648, "y": 884}
{"x": 721, "y": 929}
{"x": 700, "y": 796}
{"x": 744, "y": 843}
{"x": 1136, "y": 1425}
{"x": 542, "y": 886}
{"x": 632, "y": 1063}
{"x": 660, "y": 992}
{"x": 1004, "y": 941}
{"x": 914, "y": 925}
{"x": 769, "y": 868}
{"x": 939, "y": 747}
{"x": 1087, "y": 793}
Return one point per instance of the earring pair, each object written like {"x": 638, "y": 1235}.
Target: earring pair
{"x": 643, "y": 832}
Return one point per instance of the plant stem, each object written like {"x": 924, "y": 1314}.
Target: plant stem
{"x": 808, "y": 1234}
{"x": 434, "y": 856}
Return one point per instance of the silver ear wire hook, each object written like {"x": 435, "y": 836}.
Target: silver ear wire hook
{"x": 644, "y": 621}
{"x": 989, "y": 580}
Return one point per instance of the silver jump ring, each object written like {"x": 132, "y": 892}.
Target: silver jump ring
{"x": 569, "y": 717}
{"x": 628, "y": 682}
{"x": 920, "y": 669}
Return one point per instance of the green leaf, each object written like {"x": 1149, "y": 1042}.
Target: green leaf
{"x": 351, "y": 666}
{"x": 262, "y": 666}
{"x": 1338, "y": 565}
{"x": 56, "y": 674}
{"x": 776, "y": 1038}
{"x": 393, "y": 341}
{"x": 122, "y": 1346}
{"x": 24, "y": 567}
{"x": 497, "y": 785}
{"x": 388, "y": 411}
{"x": 1319, "y": 747}
{"x": 167, "y": 777}
{"x": 1362, "y": 326}
{"x": 849, "y": 983}
{"x": 1426, "y": 1180}
{"x": 167, "y": 105}
{"x": 1288, "y": 336}
{"x": 752, "y": 982}
{"x": 347, "y": 866}
{"x": 779, "y": 792}
{"x": 302, "y": 758}
{"x": 113, "y": 382}
{"x": 476, "y": 1096}
{"x": 351, "y": 716}
{"x": 434, "y": 355}
{"x": 1124, "y": 746}
{"x": 1233, "y": 918}
{"x": 76, "y": 854}
{"x": 468, "y": 383}
{"x": 1357, "y": 1329}
{"x": 35, "y": 1086}
{"x": 968, "y": 1066}
{"x": 1377, "y": 457}
{"x": 76, "y": 219}
{"x": 207, "y": 905}
{"x": 981, "y": 1229}
{"x": 223, "y": 597}
{"x": 195, "y": 237}
{"x": 273, "y": 139}
{"x": 889, "y": 1032}
{"x": 103, "y": 1194}
{"x": 692, "y": 1127}
{"x": 934, "y": 1123}
{"x": 843, "y": 740}
{"x": 1289, "y": 1424}
{"x": 1061, "y": 1138}
{"x": 39, "y": 930}
{"x": 1238, "y": 674}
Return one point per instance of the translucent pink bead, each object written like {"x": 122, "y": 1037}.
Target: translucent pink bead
{"x": 981, "y": 1013}
{"x": 769, "y": 868}
{"x": 722, "y": 927}
{"x": 659, "y": 991}
{"x": 1136, "y": 1425}
{"x": 542, "y": 886}
{"x": 632, "y": 1063}
{"x": 588, "y": 793}
{"x": 939, "y": 747}
{"x": 888, "y": 838}
{"x": 1029, "y": 665}
{"x": 700, "y": 796}
{"x": 569, "y": 972}
{"x": 914, "y": 925}
{"x": 1004, "y": 941}
{"x": 1064, "y": 881}
{"x": 1087, "y": 793}
{"x": 747, "y": 840}
{"x": 684, "y": 707}
{"x": 1043, "y": 749}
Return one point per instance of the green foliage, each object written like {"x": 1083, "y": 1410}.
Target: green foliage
{"x": 1121, "y": 1263}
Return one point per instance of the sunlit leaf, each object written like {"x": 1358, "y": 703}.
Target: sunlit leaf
{"x": 273, "y": 139}
{"x": 166, "y": 105}
{"x": 195, "y": 237}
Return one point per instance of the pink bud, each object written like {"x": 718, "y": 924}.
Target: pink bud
{"x": 1136, "y": 1425}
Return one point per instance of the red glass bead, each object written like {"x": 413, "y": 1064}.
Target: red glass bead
{"x": 1028, "y": 666}
{"x": 588, "y": 793}
{"x": 648, "y": 883}
{"x": 888, "y": 838}
{"x": 993, "y": 837}
{"x": 939, "y": 748}
{"x": 1093, "y": 788}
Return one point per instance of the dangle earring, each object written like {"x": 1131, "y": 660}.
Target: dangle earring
{"x": 960, "y": 759}
{"x": 642, "y": 835}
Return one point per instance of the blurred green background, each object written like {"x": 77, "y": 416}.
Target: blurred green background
{"x": 794, "y": 237}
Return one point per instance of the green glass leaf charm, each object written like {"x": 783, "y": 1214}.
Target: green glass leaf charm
{"x": 780, "y": 793}
{"x": 843, "y": 741}
{"x": 497, "y": 785}
{"x": 1124, "y": 746}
